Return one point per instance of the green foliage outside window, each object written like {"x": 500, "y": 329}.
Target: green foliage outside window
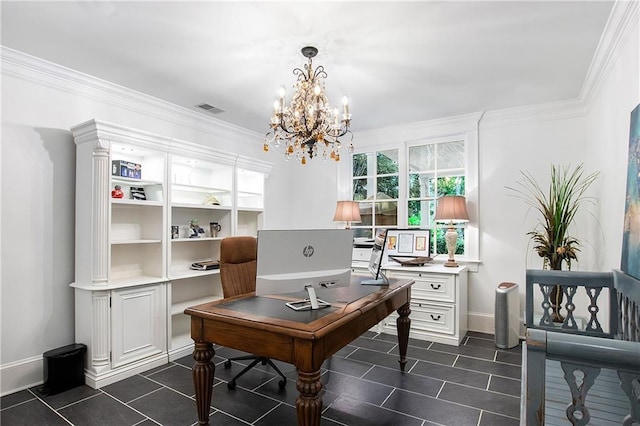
{"x": 375, "y": 185}
{"x": 386, "y": 164}
{"x": 451, "y": 185}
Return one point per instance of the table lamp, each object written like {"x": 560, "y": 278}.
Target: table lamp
{"x": 451, "y": 208}
{"x": 347, "y": 211}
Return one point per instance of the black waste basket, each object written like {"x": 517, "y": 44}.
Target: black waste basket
{"x": 63, "y": 368}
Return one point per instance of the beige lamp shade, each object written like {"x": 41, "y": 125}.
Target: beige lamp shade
{"x": 452, "y": 208}
{"x": 347, "y": 211}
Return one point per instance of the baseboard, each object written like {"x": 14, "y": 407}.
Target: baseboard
{"x": 27, "y": 373}
{"x": 485, "y": 323}
{"x": 181, "y": 352}
{"x": 121, "y": 373}
{"x": 20, "y": 375}
{"x": 482, "y": 323}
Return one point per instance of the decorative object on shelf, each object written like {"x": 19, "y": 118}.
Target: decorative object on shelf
{"x": 175, "y": 232}
{"x": 451, "y": 209}
{"x": 126, "y": 169}
{"x": 117, "y": 192}
{"x": 214, "y": 228}
{"x": 308, "y": 124}
{"x": 558, "y": 206}
{"x": 207, "y": 265}
{"x": 411, "y": 261}
{"x": 211, "y": 200}
{"x": 137, "y": 193}
{"x": 347, "y": 211}
{"x": 194, "y": 229}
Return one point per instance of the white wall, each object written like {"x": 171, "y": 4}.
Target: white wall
{"x": 40, "y": 102}
{"x": 607, "y": 142}
{"x": 506, "y": 149}
{"x": 301, "y": 196}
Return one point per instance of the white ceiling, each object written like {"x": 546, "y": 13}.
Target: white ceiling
{"x": 399, "y": 62}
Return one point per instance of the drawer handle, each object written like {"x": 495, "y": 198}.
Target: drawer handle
{"x": 436, "y": 286}
{"x": 435, "y": 318}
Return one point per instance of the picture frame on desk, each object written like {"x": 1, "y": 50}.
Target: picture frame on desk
{"x": 407, "y": 243}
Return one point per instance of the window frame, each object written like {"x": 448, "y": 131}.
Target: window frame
{"x": 434, "y": 227}
{"x": 425, "y": 134}
{"x": 372, "y": 173}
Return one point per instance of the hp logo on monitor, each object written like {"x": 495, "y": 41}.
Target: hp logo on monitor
{"x": 307, "y": 251}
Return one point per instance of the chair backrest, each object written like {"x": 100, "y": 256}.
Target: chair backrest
{"x": 238, "y": 263}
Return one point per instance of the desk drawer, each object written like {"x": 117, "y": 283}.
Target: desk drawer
{"x": 427, "y": 317}
{"x": 431, "y": 287}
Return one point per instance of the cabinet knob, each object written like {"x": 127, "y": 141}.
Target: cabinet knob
{"x": 435, "y": 317}
{"x": 436, "y": 286}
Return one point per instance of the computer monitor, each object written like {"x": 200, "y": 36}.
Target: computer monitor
{"x": 290, "y": 261}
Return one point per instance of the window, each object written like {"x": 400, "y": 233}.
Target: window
{"x": 400, "y": 187}
{"x": 434, "y": 170}
{"x": 376, "y": 187}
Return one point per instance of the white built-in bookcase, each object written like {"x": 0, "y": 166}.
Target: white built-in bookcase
{"x": 133, "y": 279}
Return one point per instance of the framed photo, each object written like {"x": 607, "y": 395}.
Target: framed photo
{"x": 407, "y": 243}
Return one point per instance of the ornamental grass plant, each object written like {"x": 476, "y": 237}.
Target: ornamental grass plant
{"x": 557, "y": 207}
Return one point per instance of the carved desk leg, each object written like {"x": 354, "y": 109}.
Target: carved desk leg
{"x": 203, "y": 371}
{"x": 309, "y": 403}
{"x": 403, "y": 323}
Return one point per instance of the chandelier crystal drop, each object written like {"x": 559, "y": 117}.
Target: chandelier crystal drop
{"x": 308, "y": 126}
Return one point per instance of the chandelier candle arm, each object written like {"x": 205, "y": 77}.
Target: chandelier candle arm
{"x": 308, "y": 123}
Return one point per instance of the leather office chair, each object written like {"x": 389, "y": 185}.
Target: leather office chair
{"x": 238, "y": 265}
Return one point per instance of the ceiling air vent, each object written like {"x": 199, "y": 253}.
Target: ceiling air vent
{"x": 210, "y": 108}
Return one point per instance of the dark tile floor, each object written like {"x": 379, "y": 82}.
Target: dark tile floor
{"x": 473, "y": 384}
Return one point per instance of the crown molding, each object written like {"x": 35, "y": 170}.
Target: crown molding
{"x": 622, "y": 20}
{"x": 550, "y": 111}
{"x": 91, "y": 130}
{"x": 420, "y": 130}
{"x": 36, "y": 70}
{"x": 624, "y": 17}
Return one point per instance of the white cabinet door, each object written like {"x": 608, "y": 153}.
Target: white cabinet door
{"x": 139, "y": 323}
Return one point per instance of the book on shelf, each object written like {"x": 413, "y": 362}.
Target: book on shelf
{"x": 207, "y": 265}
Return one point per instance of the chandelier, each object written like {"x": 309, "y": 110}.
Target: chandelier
{"x": 308, "y": 126}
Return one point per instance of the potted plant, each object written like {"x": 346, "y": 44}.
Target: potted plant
{"x": 558, "y": 207}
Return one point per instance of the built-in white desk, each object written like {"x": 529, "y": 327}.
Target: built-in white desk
{"x": 438, "y": 300}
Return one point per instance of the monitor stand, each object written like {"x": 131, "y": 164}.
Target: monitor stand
{"x": 380, "y": 281}
{"x": 308, "y": 304}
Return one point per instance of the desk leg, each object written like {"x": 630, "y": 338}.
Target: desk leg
{"x": 309, "y": 403}
{"x": 203, "y": 371}
{"x": 403, "y": 323}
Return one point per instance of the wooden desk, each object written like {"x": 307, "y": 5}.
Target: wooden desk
{"x": 264, "y": 326}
